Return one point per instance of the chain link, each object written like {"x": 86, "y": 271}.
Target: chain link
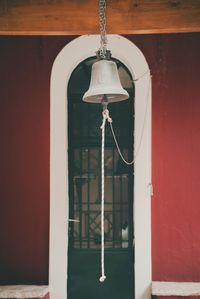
{"x": 102, "y": 27}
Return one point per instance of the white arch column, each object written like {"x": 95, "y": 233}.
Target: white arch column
{"x": 66, "y": 61}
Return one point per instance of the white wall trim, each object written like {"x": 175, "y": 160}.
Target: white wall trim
{"x": 23, "y": 291}
{"x": 66, "y": 61}
{"x": 169, "y": 288}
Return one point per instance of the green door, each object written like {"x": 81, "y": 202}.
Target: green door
{"x": 84, "y": 252}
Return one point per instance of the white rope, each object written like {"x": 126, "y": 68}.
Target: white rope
{"x": 109, "y": 119}
{"x": 103, "y": 277}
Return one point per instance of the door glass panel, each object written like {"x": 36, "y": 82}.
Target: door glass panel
{"x": 87, "y": 199}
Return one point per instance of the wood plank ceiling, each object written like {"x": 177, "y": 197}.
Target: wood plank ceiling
{"x": 76, "y": 17}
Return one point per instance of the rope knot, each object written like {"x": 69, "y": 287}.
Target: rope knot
{"x": 106, "y": 115}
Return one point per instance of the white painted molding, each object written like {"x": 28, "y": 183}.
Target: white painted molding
{"x": 164, "y": 288}
{"x": 71, "y": 55}
{"x": 23, "y": 291}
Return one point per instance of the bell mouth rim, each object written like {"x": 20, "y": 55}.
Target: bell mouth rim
{"x": 111, "y": 97}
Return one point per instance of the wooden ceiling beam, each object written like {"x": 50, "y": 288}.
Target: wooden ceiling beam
{"x": 77, "y": 17}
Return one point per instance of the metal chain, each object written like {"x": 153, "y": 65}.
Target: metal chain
{"x": 102, "y": 27}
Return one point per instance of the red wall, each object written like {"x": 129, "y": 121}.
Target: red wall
{"x": 25, "y": 66}
{"x": 176, "y": 160}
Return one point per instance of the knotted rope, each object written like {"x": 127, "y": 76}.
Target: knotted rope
{"x": 105, "y": 117}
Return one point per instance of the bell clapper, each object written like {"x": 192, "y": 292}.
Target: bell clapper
{"x": 104, "y": 102}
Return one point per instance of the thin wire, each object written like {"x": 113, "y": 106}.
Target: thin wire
{"x": 141, "y": 76}
{"x": 144, "y": 121}
{"x": 142, "y": 131}
{"x": 118, "y": 148}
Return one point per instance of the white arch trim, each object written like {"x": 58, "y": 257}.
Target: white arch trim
{"x": 71, "y": 55}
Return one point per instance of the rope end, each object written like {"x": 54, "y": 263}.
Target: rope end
{"x": 102, "y": 278}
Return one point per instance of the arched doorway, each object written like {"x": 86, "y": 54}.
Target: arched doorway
{"x": 72, "y": 54}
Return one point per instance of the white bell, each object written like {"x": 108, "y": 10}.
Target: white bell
{"x": 105, "y": 82}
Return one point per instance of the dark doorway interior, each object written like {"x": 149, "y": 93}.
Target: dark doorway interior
{"x": 85, "y": 192}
